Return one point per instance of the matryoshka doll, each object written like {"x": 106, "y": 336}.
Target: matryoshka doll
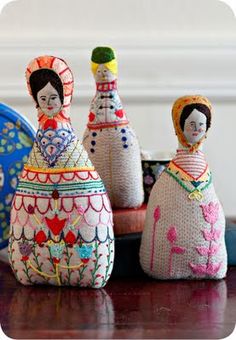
{"x": 61, "y": 219}
{"x": 109, "y": 139}
{"x": 183, "y": 237}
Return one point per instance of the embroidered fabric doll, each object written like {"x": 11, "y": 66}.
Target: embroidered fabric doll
{"x": 109, "y": 140}
{"x": 184, "y": 229}
{"x": 61, "y": 218}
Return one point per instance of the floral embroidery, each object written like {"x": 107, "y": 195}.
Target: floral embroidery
{"x": 25, "y": 250}
{"x": 172, "y": 238}
{"x": 156, "y": 216}
{"x": 211, "y": 214}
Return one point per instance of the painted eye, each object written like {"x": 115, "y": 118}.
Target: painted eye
{"x": 105, "y": 71}
{"x": 201, "y": 124}
{"x": 54, "y": 97}
{"x": 43, "y": 99}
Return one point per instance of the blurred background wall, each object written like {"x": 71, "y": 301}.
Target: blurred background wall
{"x": 165, "y": 49}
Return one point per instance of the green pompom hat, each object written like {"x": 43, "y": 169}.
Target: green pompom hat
{"x": 102, "y": 55}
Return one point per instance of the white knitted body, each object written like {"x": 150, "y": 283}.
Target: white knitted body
{"x": 119, "y": 167}
{"x": 174, "y": 221}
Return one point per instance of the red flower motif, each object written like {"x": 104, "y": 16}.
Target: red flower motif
{"x": 119, "y": 113}
{"x": 55, "y": 194}
{"x": 210, "y": 212}
{"x": 70, "y": 238}
{"x": 30, "y": 209}
{"x": 85, "y": 260}
{"x": 55, "y": 224}
{"x": 40, "y": 237}
{"x": 91, "y": 117}
{"x": 55, "y": 260}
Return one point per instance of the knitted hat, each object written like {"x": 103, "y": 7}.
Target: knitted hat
{"x": 177, "y": 110}
{"x": 102, "y": 55}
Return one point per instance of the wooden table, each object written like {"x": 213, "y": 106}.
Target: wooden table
{"x": 127, "y": 308}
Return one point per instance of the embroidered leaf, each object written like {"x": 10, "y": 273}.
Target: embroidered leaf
{"x": 198, "y": 269}
{"x": 210, "y": 212}
{"x": 80, "y": 210}
{"x": 201, "y": 269}
{"x": 211, "y": 236}
{"x": 213, "y": 268}
{"x": 157, "y": 214}
{"x": 208, "y": 251}
{"x": 172, "y": 234}
{"x": 178, "y": 250}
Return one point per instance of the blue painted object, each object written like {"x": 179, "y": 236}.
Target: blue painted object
{"x": 16, "y": 140}
{"x": 230, "y": 240}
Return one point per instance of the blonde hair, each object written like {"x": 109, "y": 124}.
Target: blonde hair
{"x": 111, "y": 66}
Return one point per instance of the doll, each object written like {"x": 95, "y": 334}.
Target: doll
{"x": 61, "y": 219}
{"x": 183, "y": 237}
{"x": 109, "y": 139}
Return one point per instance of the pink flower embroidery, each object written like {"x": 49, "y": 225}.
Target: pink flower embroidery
{"x": 210, "y": 212}
{"x": 172, "y": 238}
{"x": 157, "y": 214}
{"x": 171, "y": 234}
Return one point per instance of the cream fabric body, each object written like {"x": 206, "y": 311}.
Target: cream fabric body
{"x": 119, "y": 167}
{"x": 186, "y": 216}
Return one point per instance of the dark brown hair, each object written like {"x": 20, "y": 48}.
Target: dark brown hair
{"x": 188, "y": 109}
{"x": 40, "y": 78}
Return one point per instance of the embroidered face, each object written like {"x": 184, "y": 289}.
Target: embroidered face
{"x": 103, "y": 74}
{"x": 47, "y": 91}
{"x": 49, "y": 100}
{"x": 192, "y": 118}
{"x": 195, "y": 126}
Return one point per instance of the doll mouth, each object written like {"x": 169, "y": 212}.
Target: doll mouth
{"x": 50, "y": 107}
{"x": 195, "y": 134}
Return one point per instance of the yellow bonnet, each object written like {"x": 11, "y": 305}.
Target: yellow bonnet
{"x": 177, "y": 110}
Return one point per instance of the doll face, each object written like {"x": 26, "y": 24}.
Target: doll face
{"x": 195, "y": 126}
{"x": 49, "y": 100}
{"x": 103, "y": 75}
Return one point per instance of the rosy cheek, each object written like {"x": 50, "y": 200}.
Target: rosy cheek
{"x": 188, "y": 129}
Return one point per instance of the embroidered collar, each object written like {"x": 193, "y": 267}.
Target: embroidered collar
{"x": 52, "y": 123}
{"x": 104, "y": 87}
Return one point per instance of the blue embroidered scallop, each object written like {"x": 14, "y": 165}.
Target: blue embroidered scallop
{"x": 53, "y": 142}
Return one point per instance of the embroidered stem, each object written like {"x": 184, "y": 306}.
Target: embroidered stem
{"x": 38, "y": 271}
{"x": 37, "y": 219}
{"x": 76, "y": 220}
{"x": 153, "y": 244}
{"x": 26, "y": 271}
{"x": 96, "y": 265}
{"x": 72, "y": 267}
{"x": 170, "y": 261}
{"x": 109, "y": 262}
{"x": 81, "y": 275}
{"x": 57, "y": 275}
{"x": 39, "y": 266}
